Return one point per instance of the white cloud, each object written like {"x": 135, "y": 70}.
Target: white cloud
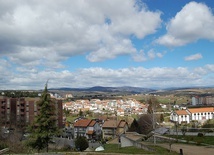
{"x": 141, "y": 56}
{"x": 136, "y": 76}
{"x": 68, "y": 28}
{"x": 195, "y": 21}
{"x": 193, "y": 57}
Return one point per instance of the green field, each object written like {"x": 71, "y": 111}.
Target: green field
{"x": 198, "y": 140}
{"x": 113, "y": 148}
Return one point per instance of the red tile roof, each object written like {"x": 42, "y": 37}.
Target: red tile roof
{"x": 82, "y": 123}
{"x": 110, "y": 124}
{"x": 199, "y": 110}
{"x": 122, "y": 124}
{"x": 92, "y": 123}
{"x": 114, "y": 124}
{"x": 181, "y": 112}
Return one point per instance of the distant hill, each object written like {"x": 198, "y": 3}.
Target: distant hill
{"x": 108, "y": 89}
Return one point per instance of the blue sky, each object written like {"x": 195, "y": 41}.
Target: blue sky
{"x": 86, "y": 43}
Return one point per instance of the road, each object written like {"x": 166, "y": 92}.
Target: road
{"x": 189, "y": 149}
{"x": 190, "y": 133}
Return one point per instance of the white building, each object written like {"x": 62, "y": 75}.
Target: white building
{"x": 180, "y": 116}
{"x": 192, "y": 114}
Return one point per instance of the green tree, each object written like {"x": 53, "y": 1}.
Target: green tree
{"x": 81, "y": 113}
{"x": 134, "y": 127}
{"x": 66, "y": 112}
{"x": 161, "y": 118}
{"x": 81, "y": 143}
{"x": 44, "y": 127}
{"x": 208, "y": 124}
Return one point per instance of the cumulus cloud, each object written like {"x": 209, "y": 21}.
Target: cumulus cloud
{"x": 135, "y": 76}
{"x": 56, "y": 31}
{"x": 195, "y": 21}
{"x": 193, "y": 57}
{"x": 140, "y": 56}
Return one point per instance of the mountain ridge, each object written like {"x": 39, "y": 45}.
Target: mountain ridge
{"x": 107, "y": 89}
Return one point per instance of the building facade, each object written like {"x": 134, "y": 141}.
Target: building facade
{"x": 192, "y": 114}
{"x": 87, "y": 128}
{"x": 19, "y": 112}
{"x": 114, "y": 128}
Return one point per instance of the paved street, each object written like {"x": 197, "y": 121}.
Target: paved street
{"x": 190, "y": 133}
{"x": 189, "y": 149}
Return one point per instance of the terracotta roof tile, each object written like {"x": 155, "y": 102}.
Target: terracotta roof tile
{"x": 110, "y": 124}
{"x": 92, "y": 123}
{"x": 198, "y": 110}
{"x": 181, "y": 112}
{"x": 82, "y": 123}
{"x": 114, "y": 124}
{"x": 122, "y": 124}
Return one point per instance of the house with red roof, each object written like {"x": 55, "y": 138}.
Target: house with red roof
{"x": 201, "y": 115}
{"x": 180, "y": 116}
{"x": 87, "y": 128}
{"x": 113, "y": 128}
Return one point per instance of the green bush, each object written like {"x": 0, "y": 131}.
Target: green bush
{"x": 2, "y": 146}
{"x": 200, "y": 134}
{"x": 81, "y": 143}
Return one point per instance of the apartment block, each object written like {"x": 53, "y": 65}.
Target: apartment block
{"x": 20, "y": 112}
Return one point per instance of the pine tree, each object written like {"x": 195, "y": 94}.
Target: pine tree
{"x": 44, "y": 127}
{"x": 134, "y": 127}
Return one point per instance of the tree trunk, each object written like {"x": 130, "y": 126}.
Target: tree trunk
{"x": 47, "y": 147}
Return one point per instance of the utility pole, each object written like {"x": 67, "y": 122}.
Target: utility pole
{"x": 153, "y": 121}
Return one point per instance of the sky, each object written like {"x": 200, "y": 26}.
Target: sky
{"x": 86, "y": 43}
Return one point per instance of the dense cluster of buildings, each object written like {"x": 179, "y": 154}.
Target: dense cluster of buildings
{"x": 120, "y": 107}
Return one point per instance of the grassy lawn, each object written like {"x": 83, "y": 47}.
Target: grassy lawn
{"x": 113, "y": 148}
{"x": 205, "y": 139}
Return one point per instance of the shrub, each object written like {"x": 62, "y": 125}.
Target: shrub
{"x": 200, "y": 134}
{"x": 81, "y": 143}
{"x": 2, "y": 146}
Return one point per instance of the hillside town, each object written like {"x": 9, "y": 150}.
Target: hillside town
{"x": 106, "y": 120}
